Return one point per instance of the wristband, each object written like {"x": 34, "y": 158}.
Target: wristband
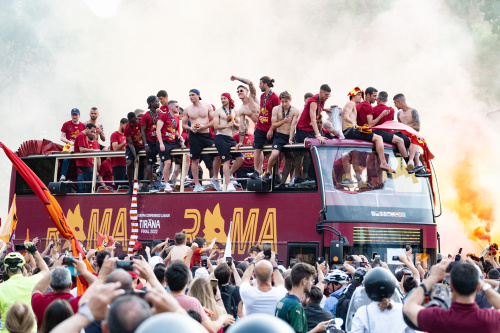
{"x": 485, "y": 287}
{"x": 146, "y": 145}
{"x": 426, "y": 293}
{"x": 85, "y": 311}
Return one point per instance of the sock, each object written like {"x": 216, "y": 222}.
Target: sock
{"x": 406, "y": 159}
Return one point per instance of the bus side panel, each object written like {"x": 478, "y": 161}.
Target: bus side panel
{"x": 257, "y": 218}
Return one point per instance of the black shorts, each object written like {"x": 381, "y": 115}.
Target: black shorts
{"x": 153, "y": 151}
{"x": 386, "y": 136}
{"x": 355, "y": 134}
{"x": 301, "y": 136}
{"x": 405, "y": 138}
{"x": 260, "y": 139}
{"x": 128, "y": 152}
{"x": 280, "y": 140}
{"x": 197, "y": 142}
{"x": 165, "y": 155}
{"x": 223, "y": 143}
{"x": 119, "y": 173}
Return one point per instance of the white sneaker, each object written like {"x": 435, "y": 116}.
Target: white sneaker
{"x": 168, "y": 188}
{"x": 153, "y": 190}
{"x": 410, "y": 166}
{"x": 230, "y": 188}
{"x": 216, "y": 184}
{"x": 291, "y": 183}
{"x": 198, "y": 188}
{"x": 62, "y": 179}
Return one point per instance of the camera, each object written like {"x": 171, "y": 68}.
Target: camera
{"x": 267, "y": 251}
{"x": 349, "y": 258}
{"x": 20, "y": 247}
{"x": 395, "y": 258}
{"x": 321, "y": 260}
{"x": 229, "y": 261}
{"x": 68, "y": 261}
{"x": 126, "y": 265}
{"x": 203, "y": 260}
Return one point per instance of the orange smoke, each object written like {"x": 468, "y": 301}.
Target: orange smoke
{"x": 474, "y": 204}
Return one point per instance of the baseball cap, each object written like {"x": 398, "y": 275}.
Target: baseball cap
{"x": 196, "y": 91}
{"x": 75, "y": 111}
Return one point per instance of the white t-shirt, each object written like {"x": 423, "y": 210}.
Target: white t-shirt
{"x": 371, "y": 320}
{"x": 256, "y": 301}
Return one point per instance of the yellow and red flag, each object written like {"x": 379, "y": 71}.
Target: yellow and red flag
{"x": 9, "y": 226}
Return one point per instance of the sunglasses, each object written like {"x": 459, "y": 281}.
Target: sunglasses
{"x": 238, "y": 91}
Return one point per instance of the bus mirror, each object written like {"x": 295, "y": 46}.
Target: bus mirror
{"x": 344, "y": 241}
{"x": 336, "y": 252}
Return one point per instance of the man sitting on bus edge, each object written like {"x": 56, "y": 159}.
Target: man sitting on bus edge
{"x": 284, "y": 120}
{"x": 351, "y": 130}
{"x": 409, "y": 116}
{"x": 132, "y": 132}
{"x": 224, "y": 122}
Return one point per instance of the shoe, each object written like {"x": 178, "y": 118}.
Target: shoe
{"x": 266, "y": 177}
{"x": 168, "y": 188}
{"x": 154, "y": 190}
{"x": 129, "y": 191}
{"x": 422, "y": 173}
{"x": 299, "y": 180}
{"x": 291, "y": 183}
{"x": 230, "y": 188}
{"x": 63, "y": 178}
{"x": 144, "y": 189}
{"x": 198, "y": 188}
{"x": 216, "y": 184}
{"x": 347, "y": 181}
{"x": 416, "y": 169}
{"x": 253, "y": 175}
{"x": 410, "y": 166}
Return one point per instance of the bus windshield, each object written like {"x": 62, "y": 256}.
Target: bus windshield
{"x": 356, "y": 190}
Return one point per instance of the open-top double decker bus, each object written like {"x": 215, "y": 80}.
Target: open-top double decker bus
{"x": 371, "y": 211}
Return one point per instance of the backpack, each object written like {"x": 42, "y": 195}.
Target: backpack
{"x": 226, "y": 293}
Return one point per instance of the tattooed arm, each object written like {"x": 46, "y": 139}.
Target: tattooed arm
{"x": 416, "y": 120}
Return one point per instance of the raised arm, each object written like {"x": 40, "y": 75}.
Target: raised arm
{"x": 253, "y": 91}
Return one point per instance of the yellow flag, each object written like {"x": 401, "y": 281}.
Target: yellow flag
{"x": 9, "y": 226}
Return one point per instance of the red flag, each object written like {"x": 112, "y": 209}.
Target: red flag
{"x": 104, "y": 241}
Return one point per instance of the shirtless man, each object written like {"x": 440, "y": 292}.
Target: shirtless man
{"x": 409, "y": 116}
{"x": 199, "y": 114}
{"x": 180, "y": 249}
{"x": 284, "y": 119}
{"x": 350, "y": 130}
{"x": 224, "y": 123}
{"x": 94, "y": 113}
{"x": 260, "y": 116}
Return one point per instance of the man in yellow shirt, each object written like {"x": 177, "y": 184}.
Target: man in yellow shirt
{"x": 18, "y": 288}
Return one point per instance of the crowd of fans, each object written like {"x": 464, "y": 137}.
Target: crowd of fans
{"x": 165, "y": 126}
{"x": 181, "y": 287}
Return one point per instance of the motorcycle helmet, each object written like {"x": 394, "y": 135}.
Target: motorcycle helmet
{"x": 379, "y": 284}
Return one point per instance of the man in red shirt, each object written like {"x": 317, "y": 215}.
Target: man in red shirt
{"x": 464, "y": 314}
{"x": 69, "y": 131}
{"x": 60, "y": 282}
{"x": 118, "y": 142}
{"x": 94, "y": 113}
{"x": 163, "y": 98}
{"x": 148, "y": 130}
{"x": 85, "y": 165}
{"x": 132, "y": 132}
{"x": 168, "y": 130}
{"x": 248, "y": 158}
{"x": 380, "y": 114}
{"x": 105, "y": 176}
{"x": 203, "y": 248}
{"x": 365, "y": 107}
{"x": 307, "y": 127}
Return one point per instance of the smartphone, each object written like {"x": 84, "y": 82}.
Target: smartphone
{"x": 373, "y": 255}
{"x": 170, "y": 242}
{"x": 408, "y": 247}
{"x": 363, "y": 264}
{"x": 276, "y": 256}
{"x": 267, "y": 251}
{"x": 349, "y": 258}
{"x": 460, "y": 251}
{"x": 136, "y": 257}
{"x": 203, "y": 260}
{"x": 250, "y": 260}
{"x": 214, "y": 283}
{"x": 395, "y": 258}
{"x": 376, "y": 257}
{"x": 229, "y": 261}
{"x": 321, "y": 260}
{"x": 51, "y": 245}
{"x": 20, "y": 247}
{"x": 451, "y": 265}
{"x": 280, "y": 262}
{"x": 126, "y": 265}
{"x": 68, "y": 261}
{"x": 458, "y": 257}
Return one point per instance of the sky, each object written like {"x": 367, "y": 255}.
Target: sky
{"x": 114, "y": 54}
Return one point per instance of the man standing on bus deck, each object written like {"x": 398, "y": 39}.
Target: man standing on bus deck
{"x": 118, "y": 142}
{"x": 85, "y": 165}
{"x": 163, "y": 98}
{"x": 224, "y": 122}
{"x": 199, "y": 115}
{"x": 168, "y": 130}
{"x": 135, "y": 145}
{"x": 148, "y": 132}
{"x": 351, "y": 130}
{"x": 284, "y": 120}
{"x": 69, "y": 131}
{"x": 262, "y": 134}
{"x": 307, "y": 127}
{"x": 94, "y": 114}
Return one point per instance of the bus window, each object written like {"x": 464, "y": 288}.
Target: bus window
{"x": 357, "y": 190}
{"x": 302, "y": 252}
{"x": 42, "y": 167}
{"x": 295, "y": 162}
